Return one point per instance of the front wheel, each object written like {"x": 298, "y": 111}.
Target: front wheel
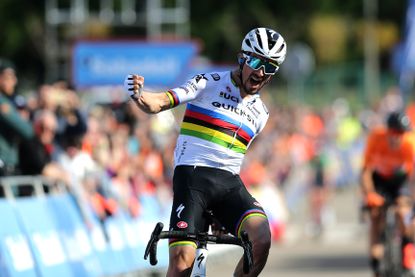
{"x": 392, "y": 260}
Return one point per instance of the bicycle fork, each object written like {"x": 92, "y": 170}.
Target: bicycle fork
{"x": 199, "y": 267}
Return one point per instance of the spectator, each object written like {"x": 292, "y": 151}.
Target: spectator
{"x": 71, "y": 121}
{"x": 65, "y": 103}
{"x": 36, "y": 156}
{"x": 13, "y": 127}
{"x": 86, "y": 181}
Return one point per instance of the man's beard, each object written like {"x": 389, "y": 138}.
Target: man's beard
{"x": 265, "y": 81}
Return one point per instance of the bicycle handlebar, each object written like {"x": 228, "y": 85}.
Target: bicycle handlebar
{"x": 157, "y": 234}
{"x": 152, "y": 244}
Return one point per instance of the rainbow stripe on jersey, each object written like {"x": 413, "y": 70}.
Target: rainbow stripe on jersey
{"x": 217, "y": 128}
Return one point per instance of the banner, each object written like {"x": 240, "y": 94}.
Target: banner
{"x": 99, "y": 63}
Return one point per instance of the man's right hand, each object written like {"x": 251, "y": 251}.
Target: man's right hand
{"x": 374, "y": 199}
{"x": 133, "y": 84}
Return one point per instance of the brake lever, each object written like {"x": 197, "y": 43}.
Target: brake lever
{"x": 151, "y": 248}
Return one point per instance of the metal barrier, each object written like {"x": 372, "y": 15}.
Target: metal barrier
{"x": 30, "y": 185}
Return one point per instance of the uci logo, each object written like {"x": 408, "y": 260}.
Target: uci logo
{"x": 228, "y": 96}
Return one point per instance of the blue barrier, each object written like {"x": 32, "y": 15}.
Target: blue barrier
{"x": 111, "y": 264}
{"x": 16, "y": 259}
{"x": 133, "y": 249}
{"x": 117, "y": 245}
{"x": 43, "y": 236}
{"x": 74, "y": 236}
{"x": 46, "y": 237}
{"x": 102, "y": 250}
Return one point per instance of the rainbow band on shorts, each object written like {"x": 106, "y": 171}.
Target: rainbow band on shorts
{"x": 245, "y": 216}
{"x": 174, "y": 243}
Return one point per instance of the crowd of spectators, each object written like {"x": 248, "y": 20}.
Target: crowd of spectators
{"x": 110, "y": 154}
{"x": 106, "y": 154}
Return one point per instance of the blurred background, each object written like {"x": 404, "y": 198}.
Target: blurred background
{"x": 351, "y": 49}
{"x": 84, "y": 175}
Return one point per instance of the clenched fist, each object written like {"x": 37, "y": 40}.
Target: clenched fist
{"x": 133, "y": 84}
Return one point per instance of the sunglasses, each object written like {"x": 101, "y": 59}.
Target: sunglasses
{"x": 270, "y": 68}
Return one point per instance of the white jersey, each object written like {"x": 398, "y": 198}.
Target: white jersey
{"x": 218, "y": 125}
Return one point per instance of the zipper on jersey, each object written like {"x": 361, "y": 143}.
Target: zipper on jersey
{"x": 235, "y": 134}
{"x": 247, "y": 102}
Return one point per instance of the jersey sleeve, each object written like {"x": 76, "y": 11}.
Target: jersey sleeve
{"x": 369, "y": 150}
{"x": 188, "y": 91}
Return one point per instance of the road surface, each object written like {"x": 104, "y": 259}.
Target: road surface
{"x": 340, "y": 251}
{"x": 305, "y": 259}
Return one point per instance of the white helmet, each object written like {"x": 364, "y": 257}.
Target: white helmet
{"x": 266, "y": 43}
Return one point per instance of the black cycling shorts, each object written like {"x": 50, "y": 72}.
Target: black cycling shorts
{"x": 391, "y": 187}
{"x": 198, "y": 189}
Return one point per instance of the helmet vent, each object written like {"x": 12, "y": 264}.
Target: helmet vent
{"x": 248, "y": 42}
{"x": 271, "y": 44}
{"x": 259, "y": 40}
{"x": 282, "y": 47}
{"x": 272, "y": 38}
{"x": 259, "y": 50}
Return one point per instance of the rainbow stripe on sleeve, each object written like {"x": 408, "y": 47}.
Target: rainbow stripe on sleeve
{"x": 174, "y": 100}
{"x": 217, "y": 128}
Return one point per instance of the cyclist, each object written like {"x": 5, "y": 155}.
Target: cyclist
{"x": 388, "y": 162}
{"x": 224, "y": 113}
